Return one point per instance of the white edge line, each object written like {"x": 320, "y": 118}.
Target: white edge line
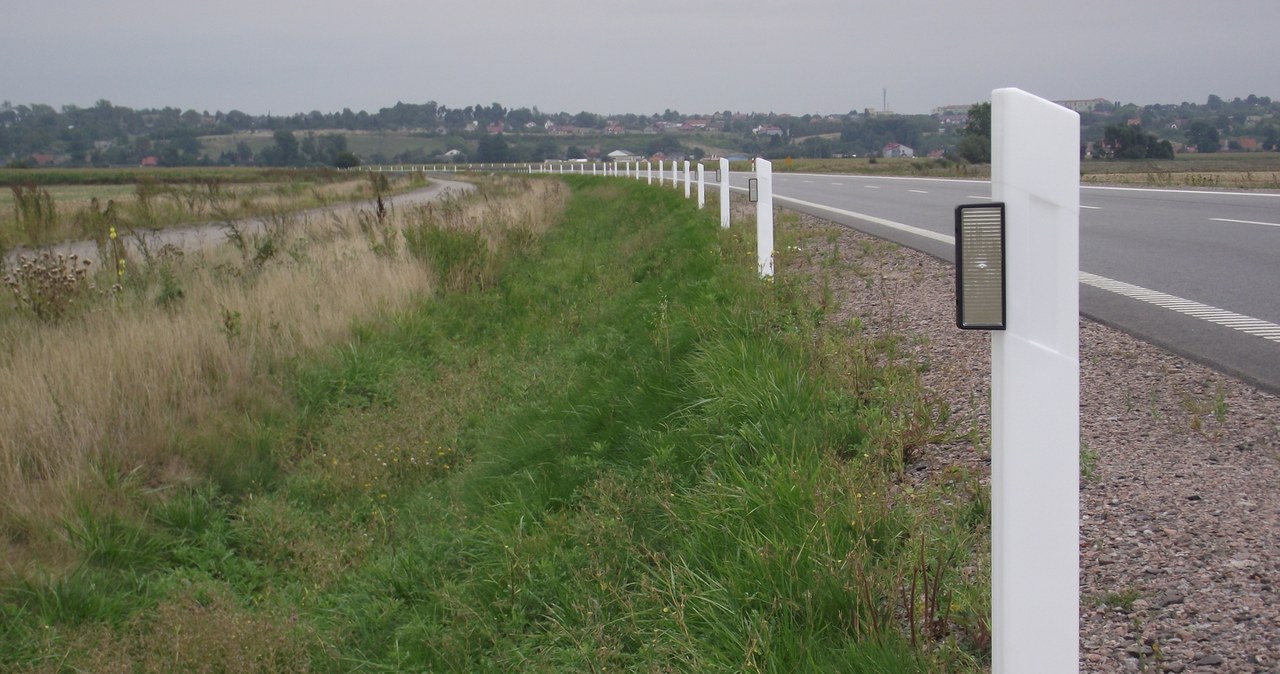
{"x": 1247, "y": 222}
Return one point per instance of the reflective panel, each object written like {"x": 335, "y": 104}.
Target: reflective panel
{"x": 980, "y": 267}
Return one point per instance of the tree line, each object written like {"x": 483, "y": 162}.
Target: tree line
{"x": 107, "y": 134}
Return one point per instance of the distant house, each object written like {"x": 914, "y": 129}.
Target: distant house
{"x": 150, "y": 160}
{"x": 43, "y": 159}
{"x": 767, "y": 130}
{"x": 621, "y": 155}
{"x": 496, "y": 128}
{"x": 1090, "y": 105}
{"x": 897, "y": 150}
{"x": 614, "y": 129}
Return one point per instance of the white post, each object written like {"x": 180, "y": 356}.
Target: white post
{"x": 662, "y": 167}
{"x": 649, "y": 172}
{"x": 764, "y": 217}
{"x": 724, "y": 192}
{"x": 688, "y": 179}
{"x": 702, "y": 186}
{"x": 1035, "y": 389}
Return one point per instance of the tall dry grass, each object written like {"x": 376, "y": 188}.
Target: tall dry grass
{"x": 118, "y": 389}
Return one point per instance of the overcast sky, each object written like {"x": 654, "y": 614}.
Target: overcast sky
{"x": 618, "y": 56}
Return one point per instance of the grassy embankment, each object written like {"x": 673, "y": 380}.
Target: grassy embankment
{"x": 599, "y": 446}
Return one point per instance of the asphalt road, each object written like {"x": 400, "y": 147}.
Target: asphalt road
{"x": 1196, "y": 272}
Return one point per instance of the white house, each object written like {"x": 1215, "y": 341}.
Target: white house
{"x": 896, "y": 150}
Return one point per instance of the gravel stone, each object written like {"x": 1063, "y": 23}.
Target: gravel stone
{"x": 1180, "y": 485}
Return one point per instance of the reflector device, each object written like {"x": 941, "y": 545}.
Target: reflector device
{"x": 753, "y": 190}
{"x": 980, "y": 267}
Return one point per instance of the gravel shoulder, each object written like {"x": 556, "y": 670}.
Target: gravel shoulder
{"x": 1180, "y": 485}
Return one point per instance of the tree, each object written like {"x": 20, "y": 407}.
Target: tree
{"x": 975, "y": 144}
{"x": 1203, "y": 136}
{"x": 546, "y": 149}
{"x": 284, "y": 152}
{"x": 1125, "y": 141}
{"x": 493, "y": 149}
{"x": 346, "y": 159}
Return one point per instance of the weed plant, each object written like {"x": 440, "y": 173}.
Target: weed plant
{"x": 605, "y": 445}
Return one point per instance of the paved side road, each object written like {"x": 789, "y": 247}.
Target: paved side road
{"x": 213, "y": 233}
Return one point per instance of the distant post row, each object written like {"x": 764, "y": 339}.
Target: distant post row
{"x": 760, "y": 192}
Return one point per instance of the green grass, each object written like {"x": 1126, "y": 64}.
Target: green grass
{"x": 613, "y": 448}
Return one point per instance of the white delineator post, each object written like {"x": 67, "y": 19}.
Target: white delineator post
{"x": 687, "y": 179}
{"x": 662, "y": 166}
{"x": 1035, "y": 389}
{"x": 724, "y": 192}
{"x": 764, "y": 217}
{"x": 702, "y": 186}
{"x": 648, "y": 169}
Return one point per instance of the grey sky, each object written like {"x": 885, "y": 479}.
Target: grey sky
{"x": 616, "y": 56}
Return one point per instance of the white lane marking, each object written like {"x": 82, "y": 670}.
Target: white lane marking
{"x": 918, "y": 191}
{"x": 872, "y": 187}
{"x": 1247, "y": 222}
{"x": 1160, "y": 190}
{"x": 1091, "y": 208}
{"x": 808, "y": 182}
{"x": 837, "y": 184}
{"x": 1246, "y": 324}
{"x": 1230, "y": 319}
{"x": 944, "y": 238}
{"x": 972, "y": 196}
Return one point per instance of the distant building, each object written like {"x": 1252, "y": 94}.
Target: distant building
{"x": 1090, "y": 105}
{"x": 150, "y": 160}
{"x": 43, "y": 159}
{"x": 1249, "y": 144}
{"x": 952, "y": 115}
{"x": 767, "y": 130}
{"x": 896, "y": 150}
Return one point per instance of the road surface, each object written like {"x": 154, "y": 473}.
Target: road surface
{"x": 1197, "y": 272}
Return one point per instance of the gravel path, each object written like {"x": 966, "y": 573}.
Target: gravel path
{"x": 1180, "y": 487}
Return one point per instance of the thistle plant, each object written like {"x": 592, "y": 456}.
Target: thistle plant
{"x": 49, "y": 284}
